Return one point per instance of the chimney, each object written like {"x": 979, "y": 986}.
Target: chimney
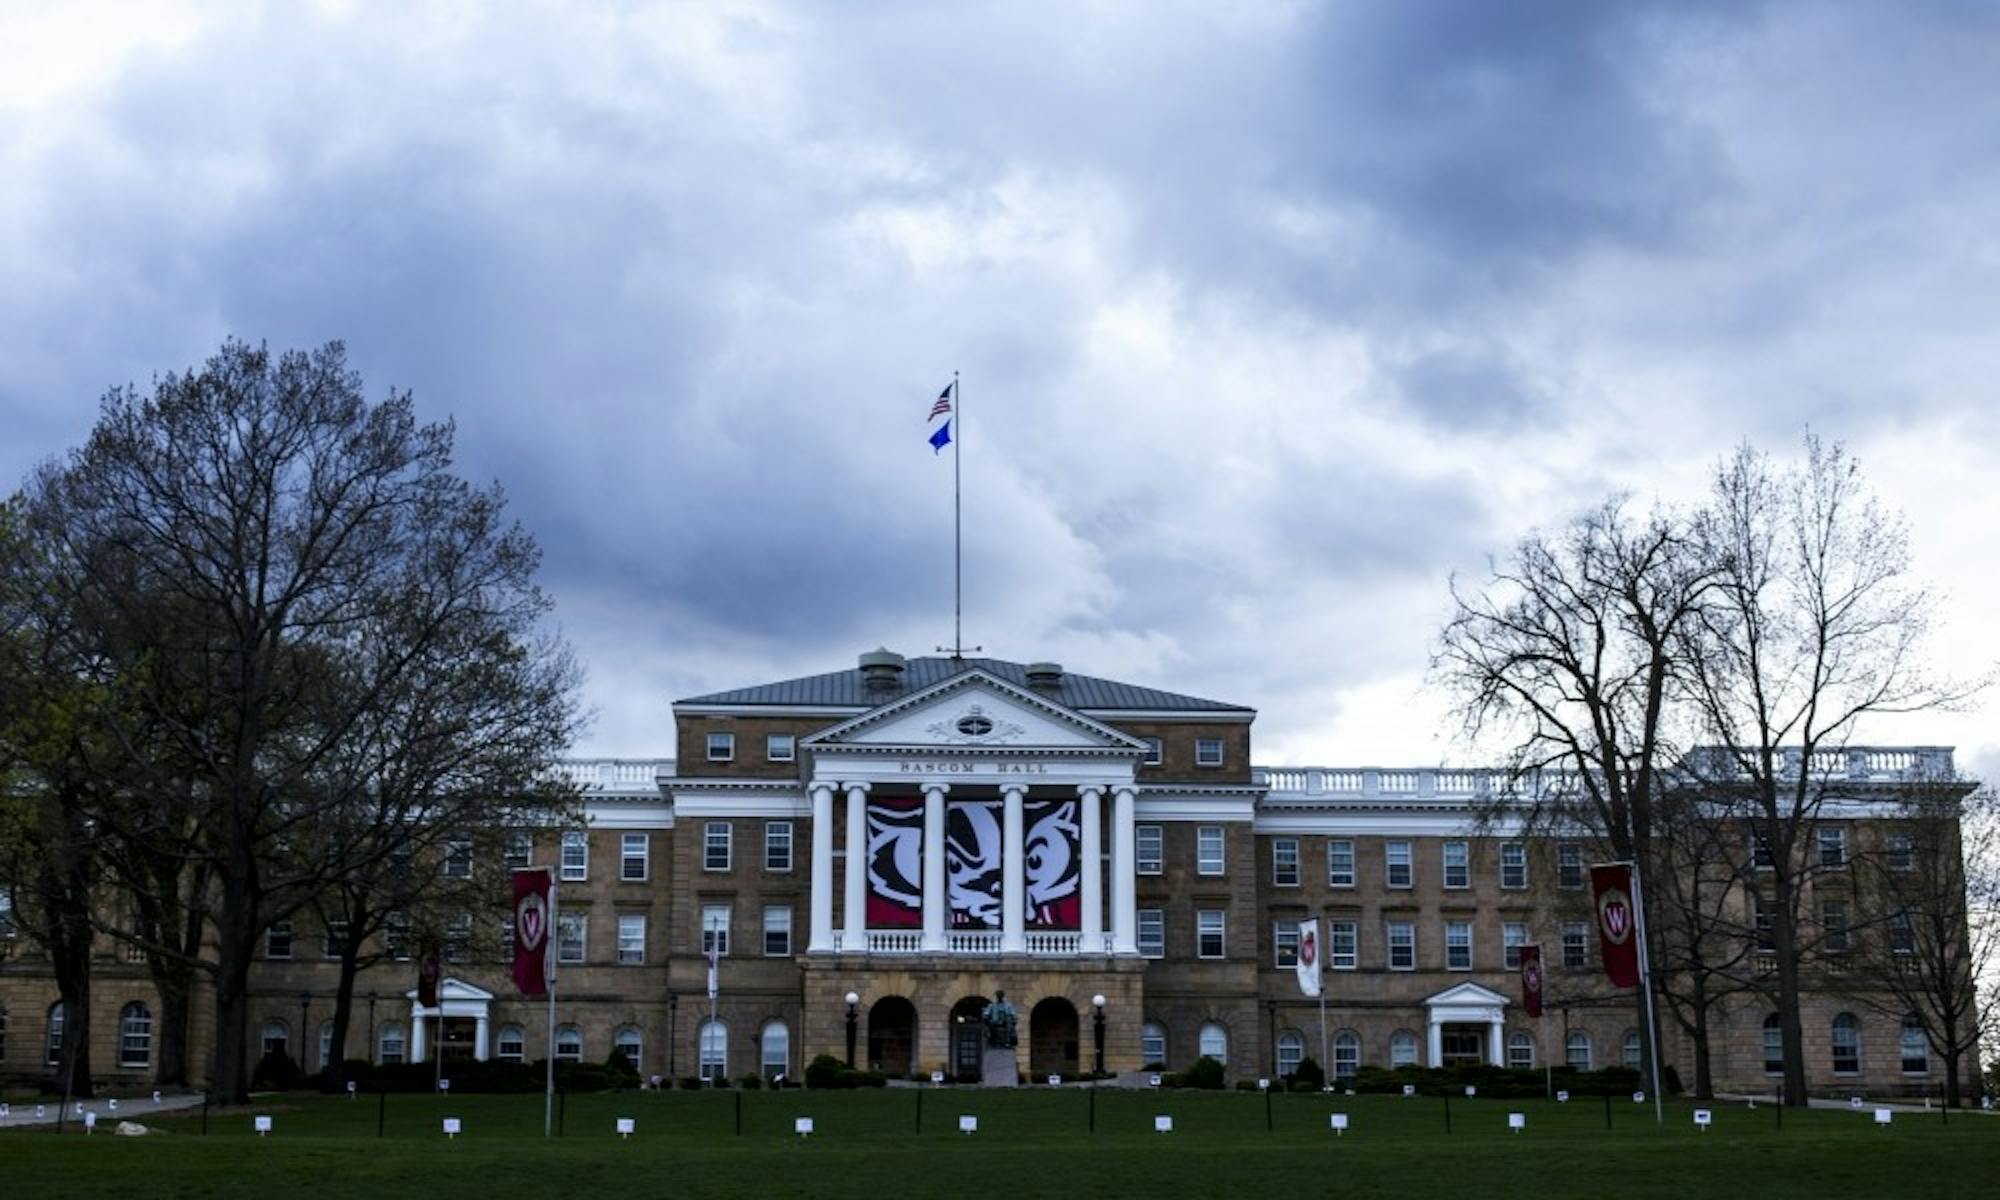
{"x": 1045, "y": 676}
{"x": 882, "y": 670}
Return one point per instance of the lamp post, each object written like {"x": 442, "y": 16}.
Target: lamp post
{"x": 853, "y": 999}
{"x": 1271, "y": 1026}
{"x": 305, "y": 1001}
{"x": 1097, "y": 1031}
{"x": 673, "y": 1008}
{"x": 371, "y": 1026}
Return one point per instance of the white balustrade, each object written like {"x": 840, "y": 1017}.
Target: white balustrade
{"x": 1053, "y": 942}
{"x": 973, "y": 941}
{"x": 895, "y": 941}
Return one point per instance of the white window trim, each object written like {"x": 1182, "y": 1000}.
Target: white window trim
{"x": 1389, "y": 944}
{"x": 1201, "y": 866}
{"x": 791, "y": 837}
{"x": 579, "y": 872}
{"x": 1200, "y": 756}
{"x": 728, "y": 845}
{"x": 641, "y": 959}
{"x": 724, "y": 741}
{"x": 1331, "y": 881}
{"x": 1445, "y": 866}
{"x": 1298, "y": 875}
{"x": 1159, "y": 947}
{"x": 1141, "y": 864}
{"x": 625, "y": 857}
{"x": 771, "y": 750}
{"x": 1221, "y": 932}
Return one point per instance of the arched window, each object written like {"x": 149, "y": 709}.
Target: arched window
{"x": 277, "y": 1037}
{"x": 629, "y": 1043}
{"x": 714, "y": 1050}
{"x": 1846, "y": 1045}
{"x": 135, "y": 1036}
{"x": 1520, "y": 1051}
{"x": 1774, "y": 1045}
{"x": 1915, "y": 1047}
{"x": 569, "y": 1044}
{"x": 53, "y": 1040}
{"x": 1631, "y": 1049}
{"x": 1215, "y": 1043}
{"x": 776, "y": 1056}
{"x": 1577, "y": 1050}
{"x": 1402, "y": 1049}
{"x": 390, "y": 1043}
{"x": 1153, "y": 1046}
{"x": 1346, "y": 1054}
{"x": 325, "y": 1044}
{"x": 512, "y": 1045}
{"x": 1291, "y": 1052}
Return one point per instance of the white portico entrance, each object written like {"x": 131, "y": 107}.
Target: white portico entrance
{"x": 975, "y": 816}
{"x": 1467, "y": 1022}
{"x": 467, "y": 1023}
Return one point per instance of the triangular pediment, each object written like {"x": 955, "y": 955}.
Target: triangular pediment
{"x": 452, "y": 988}
{"x": 975, "y": 711}
{"x": 1467, "y": 993}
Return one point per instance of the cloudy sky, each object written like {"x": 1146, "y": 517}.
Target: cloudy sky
{"x": 1270, "y": 317}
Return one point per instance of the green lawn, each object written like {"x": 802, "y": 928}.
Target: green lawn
{"x": 1032, "y": 1142}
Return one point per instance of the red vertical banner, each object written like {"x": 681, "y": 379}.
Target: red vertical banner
{"x": 427, "y": 973}
{"x": 1531, "y": 980}
{"x": 1617, "y": 922}
{"x": 533, "y": 892}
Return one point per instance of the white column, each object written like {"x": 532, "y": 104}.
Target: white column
{"x": 479, "y": 1027}
{"x": 934, "y": 893}
{"x": 855, "y": 920}
{"x": 1090, "y": 799}
{"x": 821, "y": 940}
{"x": 1013, "y": 871}
{"x": 1437, "y": 1041}
{"x": 1497, "y": 1052}
{"x": 419, "y": 1019}
{"x": 1124, "y": 874}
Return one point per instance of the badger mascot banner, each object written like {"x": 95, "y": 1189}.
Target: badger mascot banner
{"x": 1051, "y": 868}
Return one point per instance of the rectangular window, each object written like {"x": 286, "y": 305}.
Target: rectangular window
{"x": 1156, "y": 752}
{"x": 1397, "y": 863}
{"x": 1833, "y": 921}
{"x": 1458, "y": 945}
{"x": 715, "y": 846}
{"x": 278, "y": 940}
{"x": 520, "y": 849}
{"x": 1513, "y": 864}
{"x": 1285, "y": 940}
{"x": 575, "y": 856}
{"x": 631, "y": 938}
{"x": 633, "y": 851}
{"x": 721, "y": 747}
{"x": 336, "y": 939}
{"x": 1896, "y": 852}
{"x": 1902, "y": 932}
{"x": 1340, "y": 864}
{"x": 1150, "y": 841}
{"x": 1513, "y": 936}
{"x": 1457, "y": 864}
{"x": 1832, "y": 847}
{"x": 1285, "y": 862}
{"x": 1208, "y": 850}
{"x": 777, "y": 931}
{"x": 777, "y": 845}
{"x": 458, "y": 938}
{"x": 715, "y": 929}
{"x": 1208, "y": 752}
{"x": 780, "y": 747}
{"x": 1759, "y": 849}
{"x": 1576, "y": 944}
{"x": 1208, "y": 933}
{"x": 1569, "y": 865}
{"x": 1343, "y": 945}
{"x": 1402, "y": 946}
{"x": 1763, "y": 923}
{"x": 1152, "y": 933}
{"x": 396, "y": 936}
{"x": 571, "y": 931}
{"x": 458, "y": 856}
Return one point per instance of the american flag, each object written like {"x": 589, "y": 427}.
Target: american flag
{"x": 943, "y": 404}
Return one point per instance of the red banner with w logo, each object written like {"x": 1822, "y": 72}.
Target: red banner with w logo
{"x": 1617, "y": 922}
{"x": 1531, "y": 980}
{"x": 534, "y": 892}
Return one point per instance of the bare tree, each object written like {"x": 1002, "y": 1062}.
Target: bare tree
{"x": 1569, "y": 657}
{"x": 1934, "y": 882}
{"x": 1811, "y": 627}
{"x": 266, "y": 560}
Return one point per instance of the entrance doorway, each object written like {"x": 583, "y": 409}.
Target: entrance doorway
{"x": 458, "y": 1039}
{"x": 968, "y": 1040}
{"x": 892, "y": 1036}
{"x": 1462, "y": 1044}
{"x": 1052, "y": 1038}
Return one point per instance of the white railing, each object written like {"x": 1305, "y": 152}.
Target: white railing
{"x": 1042, "y": 941}
{"x": 1402, "y": 782}
{"x": 894, "y": 941}
{"x": 973, "y": 941}
{"x": 615, "y": 772}
{"x": 1459, "y": 783}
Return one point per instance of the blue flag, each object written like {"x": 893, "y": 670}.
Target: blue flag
{"x": 941, "y": 438}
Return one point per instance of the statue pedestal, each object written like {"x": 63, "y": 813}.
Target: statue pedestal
{"x": 998, "y": 1068}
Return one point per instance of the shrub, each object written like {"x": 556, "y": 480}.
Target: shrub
{"x": 823, "y": 1071}
{"x": 1309, "y": 1073}
{"x": 691, "y": 1083}
{"x": 1206, "y": 1074}
{"x": 751, "y": 1081}
{"x": 275, "y": 1070}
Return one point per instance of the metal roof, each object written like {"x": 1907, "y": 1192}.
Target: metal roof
{"x": 849, "y": 688}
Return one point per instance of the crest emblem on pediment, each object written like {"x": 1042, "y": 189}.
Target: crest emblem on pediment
{"x": 974, "y": 727}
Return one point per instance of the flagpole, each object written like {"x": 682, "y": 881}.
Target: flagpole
{"x": 1324, "y": 1063}
{"x": 549, "y": 974}
{"x": 957, "y": 529}
{"x": 1646, "y": 983}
